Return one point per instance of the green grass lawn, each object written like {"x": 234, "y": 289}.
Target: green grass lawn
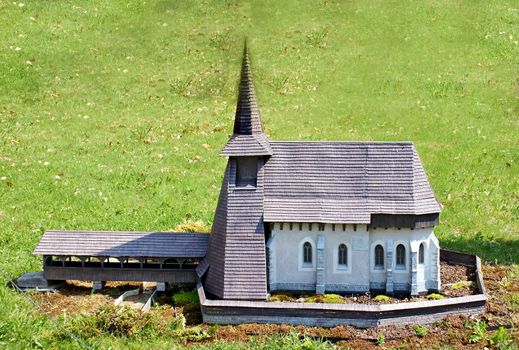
{"x": 113, "y": 112}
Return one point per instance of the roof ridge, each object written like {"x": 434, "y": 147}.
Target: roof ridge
{"x": 345, "y": 141}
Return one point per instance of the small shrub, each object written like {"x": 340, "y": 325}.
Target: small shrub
{"x": 513, "y": 300}
{"x": 213, "y": 329}
{"x": 501, "y": 340}
{"x": 124, "y": 322}
{"x": 119, "y": 322}
{"x": 382, "y": 297}
{"x": 193, "y": 334}
{"x": 178, "y": 323}
{"x": 435, "y": 296}
{"x": 381, "y": 340}
{"x": 479, "y": 331}
{"x": 192, "y": 226}
{"x": 420, "y": 330}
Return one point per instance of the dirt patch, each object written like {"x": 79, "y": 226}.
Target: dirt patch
{"x": 458, "y": 280}
{"x": 76, "y": 297}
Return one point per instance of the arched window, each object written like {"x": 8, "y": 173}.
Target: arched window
{"x": 379, "y": 256}
{"x": 421, "y": 254}
{"x": 343, "y": 255}
{"x": 400, "y": 255}
{"x": 307, "y": 253}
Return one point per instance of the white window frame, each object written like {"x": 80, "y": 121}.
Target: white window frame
{"x": 342, "y": 268}
{"x": 302, "y": 266}
{"x": 405, "y": 267}
{"x": 375, "y": 268}
{"x": 425, "y": 250}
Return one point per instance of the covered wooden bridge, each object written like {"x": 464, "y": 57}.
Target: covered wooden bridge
{"x": 101, "y": 256}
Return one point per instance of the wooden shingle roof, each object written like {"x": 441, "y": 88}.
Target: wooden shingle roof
{"x": 236, "y": 252}
{"x": 117, "y": 243}
{"x": 248, "y": 138}
{"x": 345, "y": 182}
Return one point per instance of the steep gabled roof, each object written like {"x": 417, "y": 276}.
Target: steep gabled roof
{"x": 248, "y": 138}
{"x": 345, "y": 182}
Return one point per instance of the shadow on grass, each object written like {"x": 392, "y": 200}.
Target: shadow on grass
{"x": 496, "y": 252}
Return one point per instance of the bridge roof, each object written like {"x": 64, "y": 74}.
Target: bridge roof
{"x": 118, "y": 243}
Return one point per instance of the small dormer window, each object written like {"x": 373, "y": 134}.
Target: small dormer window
{"x": 246, "y": 171}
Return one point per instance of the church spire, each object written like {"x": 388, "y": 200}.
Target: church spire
{"x": 248, "y": 138}
{"x": 247, "y": 120}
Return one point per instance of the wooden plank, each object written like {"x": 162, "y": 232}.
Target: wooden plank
{"x": 118, "y": 274}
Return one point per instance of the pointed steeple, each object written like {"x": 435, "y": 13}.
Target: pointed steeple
{"x": 247, "y": 120}
{"x": 248, "y": 138}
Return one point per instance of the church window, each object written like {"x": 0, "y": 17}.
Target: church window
{"x": 307, "y": 253}
{"x": 400, "y": 256}
{"x": 421, "y": 253}
{"x": 379, "y": 256}
{"x": 343, "y": 255}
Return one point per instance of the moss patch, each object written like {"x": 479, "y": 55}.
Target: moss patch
{"x": 381, "y": 297}
{"x": 435, "y": 296}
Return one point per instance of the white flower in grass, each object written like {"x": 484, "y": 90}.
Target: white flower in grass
{"x": 17, "y": 49}
{"x": 57, "y": 177}
{"x": 3, "y": 178}
{"x": 46, "y": 163}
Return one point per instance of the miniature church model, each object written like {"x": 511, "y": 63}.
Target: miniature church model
{"x": 321, "y": 217}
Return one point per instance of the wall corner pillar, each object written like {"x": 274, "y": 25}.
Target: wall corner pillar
{"x": 320, "y": 270}
{"x": 414, "y": 272}
{"x": 389, "y": 267}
